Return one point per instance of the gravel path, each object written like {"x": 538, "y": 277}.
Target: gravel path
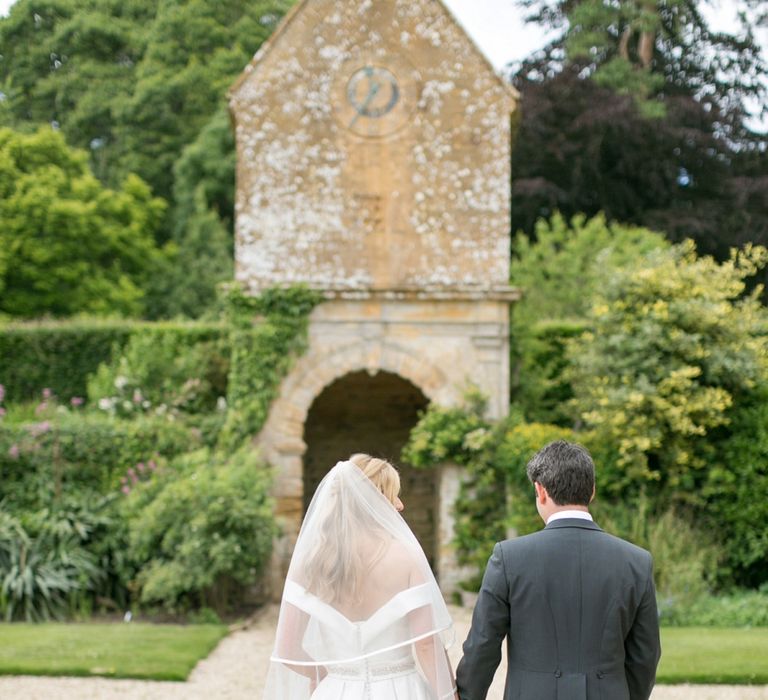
{"x": 236, "y": 669}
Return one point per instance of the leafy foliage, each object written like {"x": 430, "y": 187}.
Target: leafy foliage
{"x": 267, "y": 333}
{"x": 201, "y": 529}
{"x": 204, "y": 187}
{"x": 685, "y": 558}
{"x": 74, "y": 454}
{"x": 132, "y": 81}
{"x": 71, "y": 246}
{"x": 45, "y": 575}
{"x": 737, "y": 609}
{"x": 560, "y": 269}
{"x": 737, "y": 473}
{"x": 167, "y": 368}
{"x": 653, "y": 49}
{"x": 463, "y": 436}
{"x": 672, "y": 346}
{"x": 584, "y": 149}
{"x": 195, "y": 49}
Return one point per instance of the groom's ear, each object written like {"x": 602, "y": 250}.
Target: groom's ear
{"x": 541, "y": 492}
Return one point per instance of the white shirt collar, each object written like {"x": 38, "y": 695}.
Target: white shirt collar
{"x": 580, "y": 514}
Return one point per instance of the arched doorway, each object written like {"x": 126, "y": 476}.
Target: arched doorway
{"x": 374, "y": 414}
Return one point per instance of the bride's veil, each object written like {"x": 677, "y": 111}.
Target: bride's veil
{"x": 360, "y": 599}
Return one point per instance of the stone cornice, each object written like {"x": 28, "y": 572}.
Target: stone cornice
{"x": 496, "y": 293}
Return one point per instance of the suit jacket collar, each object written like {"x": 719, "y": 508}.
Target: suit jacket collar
{"x": 573, "y": 522}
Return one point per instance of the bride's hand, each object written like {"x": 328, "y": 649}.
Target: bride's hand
{"x": 317, "y": 680}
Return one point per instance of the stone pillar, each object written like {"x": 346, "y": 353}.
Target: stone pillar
{"x": 449, "y": 573}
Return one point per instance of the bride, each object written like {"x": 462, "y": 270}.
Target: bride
{"x": 362, "y": 617}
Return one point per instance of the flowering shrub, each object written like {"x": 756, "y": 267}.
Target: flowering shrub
{"x": 81, "y": 452}
{"x": 164, "y": 370}
{"x": 136, "y": 474}
{"x": 200, "y": 530}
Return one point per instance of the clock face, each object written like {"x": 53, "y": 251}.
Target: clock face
{"x": 375, "y": 97}
{"x": 373, "y": 92}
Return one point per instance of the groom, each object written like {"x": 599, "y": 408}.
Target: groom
{"x": 576, "y": 605}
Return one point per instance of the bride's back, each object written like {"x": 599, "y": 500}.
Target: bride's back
{"x": 388, "y": 569}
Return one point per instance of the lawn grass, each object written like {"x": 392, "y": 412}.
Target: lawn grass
{"x": 135, "y": 650}
{"x": 714, "y": 655}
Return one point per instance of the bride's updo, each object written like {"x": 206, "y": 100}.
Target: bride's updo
{"x": 383, "y": 475}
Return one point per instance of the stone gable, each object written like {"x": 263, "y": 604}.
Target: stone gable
{"x": 373, "y": 145}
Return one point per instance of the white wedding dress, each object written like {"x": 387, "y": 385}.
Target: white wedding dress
{"x": 379, "y": 666}
{"x": 372, "y": 624}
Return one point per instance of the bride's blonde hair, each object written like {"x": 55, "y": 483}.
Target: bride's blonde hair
{"x": 337, "y": 563}
{"x": 383, "y": 475}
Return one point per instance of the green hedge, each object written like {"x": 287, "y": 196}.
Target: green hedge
{"x": 738, "y": 609}
{"x": 61, "y": 355}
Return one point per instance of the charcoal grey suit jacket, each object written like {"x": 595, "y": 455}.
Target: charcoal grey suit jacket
{"x": 578, "y": 609}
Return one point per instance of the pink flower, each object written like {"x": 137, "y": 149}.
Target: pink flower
{"x": 77, "y": 401}
{"x": 140, "y": 466}
{"x": 41, "y": 408}
{"x": 47, "y": 393}
{"x": 40, "y": 428}
{"x": 151, "y": 464}
{"x": 126, "y": 490}
{"x": 13, "y": 453}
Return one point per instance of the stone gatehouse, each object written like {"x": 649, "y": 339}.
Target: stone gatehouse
{"x": 373, "y": 146}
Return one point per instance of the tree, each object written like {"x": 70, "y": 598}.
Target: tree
{"x": 672, "y": 374}
{"x": 673, "y": 348}
{"x": 662, "y": 143}
{"x": 582, "y": 148}
{"x": 69, "y": 63}
{"x": 71, "y": 245}
{"x": 560, "y": 270}
{"x": 204, "y": 188}
{"x": 195, "y": 50}
{"x": 133, "y": 81}
{"x": 654, "y": 49}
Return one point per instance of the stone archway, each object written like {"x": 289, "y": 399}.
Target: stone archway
{"x": 360, "y": 412}
{"x": 282, "y": 440}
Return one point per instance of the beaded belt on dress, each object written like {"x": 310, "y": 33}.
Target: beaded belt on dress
{"x": 371, "y": 670}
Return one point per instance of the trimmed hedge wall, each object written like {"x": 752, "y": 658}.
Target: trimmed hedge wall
{"x": 61, "y": 355}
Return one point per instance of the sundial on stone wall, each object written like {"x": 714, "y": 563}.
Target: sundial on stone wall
{"x": 371, "y": 137}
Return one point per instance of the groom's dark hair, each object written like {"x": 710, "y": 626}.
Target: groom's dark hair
{"x": 566, "y": 470}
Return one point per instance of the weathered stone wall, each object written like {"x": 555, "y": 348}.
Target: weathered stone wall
{"x": 413, "y": 193}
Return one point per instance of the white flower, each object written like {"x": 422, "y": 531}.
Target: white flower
{"x": 105, "y": 404}
{"x": 221, "y": 404}
{"x": 121, "y": 382}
